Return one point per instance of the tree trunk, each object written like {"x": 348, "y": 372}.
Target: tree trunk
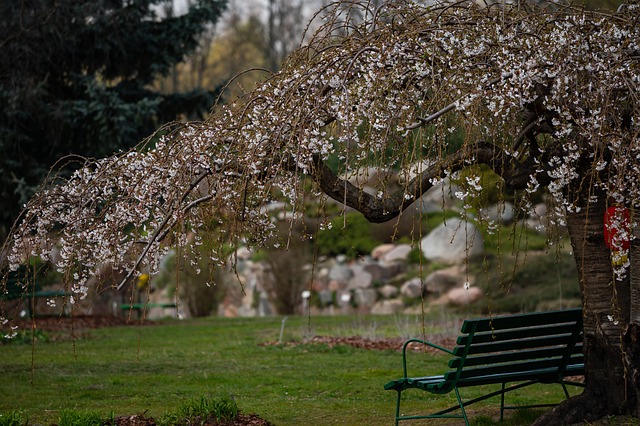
{"x": 610, "y": 342}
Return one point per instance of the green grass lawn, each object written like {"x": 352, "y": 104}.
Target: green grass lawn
{"x": 155, "y": 369}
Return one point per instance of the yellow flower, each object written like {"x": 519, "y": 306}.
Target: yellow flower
{"x": 142, "y": 281}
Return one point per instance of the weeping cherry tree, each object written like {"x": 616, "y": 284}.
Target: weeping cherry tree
{"x": 547, "y": 99}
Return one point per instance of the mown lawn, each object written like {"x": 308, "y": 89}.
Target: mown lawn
{"x": 154, "y": 369}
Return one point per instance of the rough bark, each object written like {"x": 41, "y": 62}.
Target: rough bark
{"x": 378, "y": 210}
{"x": 610, "y": 342}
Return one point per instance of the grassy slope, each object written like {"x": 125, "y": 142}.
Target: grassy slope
{"x": 157, "y": 368}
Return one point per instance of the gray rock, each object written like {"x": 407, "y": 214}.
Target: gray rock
{"x": 452, "y": 242}
{"x": 365, "y": 297}
{"x": 412, "y": 288}
{"x": 441, "y": 282}
{"x": 378, "y": 272}
{"x": 461, "y": 296}
{"x": 438, "y": 197}
{"x": 340, "y": 272}
{"x": 388, "y": 291}
{"x": 499, "y": 213}
{"x": 387, "y": 307}
{"x": 396, "y": 268}
{"x": 326, "y": 297}
{"x": 381, "y": 250}
{"x": 398, "y": 253}
{"x": 360, "y": 278}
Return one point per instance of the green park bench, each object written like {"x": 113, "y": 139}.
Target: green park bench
{"x": 21, "y": 285}
{"x": 521, "y": 350}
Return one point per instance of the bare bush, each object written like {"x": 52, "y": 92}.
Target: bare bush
{"x": 288, "y": 276}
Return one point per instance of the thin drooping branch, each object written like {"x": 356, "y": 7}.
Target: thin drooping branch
{"x": 167, "y": 224}
{"x": 408, "y": 90}
{"x": 423, "y": 121}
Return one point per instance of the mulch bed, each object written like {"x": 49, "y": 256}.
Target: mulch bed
{"x": 77, "y": 322}
{"x": 380, "y": 344}
{"x": 241, "y": 420}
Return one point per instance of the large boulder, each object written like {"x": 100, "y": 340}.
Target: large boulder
{"x": 440, "y": 196}
{"x": 464, "y": 295}
{"x": 499, "y": 213}
{"x": 388, "y": 291}
{"x": 381, "y": 250}
{"x": 398, "y": 253}
{"x": 452, "y": 242}
{"x": 365, "y": 297}
{"x": 412, "y": 288}
{"x": 360, "y": 278}
{"x": 339, "y": 274}
{"x": 379, "y": 273}
{"x": 387, "y": 307}
{"x": 443, "y": 280}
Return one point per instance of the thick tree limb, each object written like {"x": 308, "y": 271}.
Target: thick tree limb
{"x": 377, "y": 210}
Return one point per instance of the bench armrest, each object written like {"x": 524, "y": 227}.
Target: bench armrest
{"x": 424, "y": 342}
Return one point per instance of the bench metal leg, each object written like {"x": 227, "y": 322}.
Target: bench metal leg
{"x": 564, "y": 388}
{"x": 502, "y": 403}
{"x": 445, "y": 414}
{"x": 398, "y": 408}
{"x": 464, "y": 413}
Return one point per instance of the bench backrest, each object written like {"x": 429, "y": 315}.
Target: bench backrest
{"x": 524, "y": 342}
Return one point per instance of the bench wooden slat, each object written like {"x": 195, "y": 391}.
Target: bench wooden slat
{"x": 521, "y": 333}
{"x": 522, "y": 320}
{"x": 542, "y": 376}
{"x": 540, "y": 342}
{"x": 514, "y": 367}
{"x": 504, "y": 357}
{"x": 429, "y": 382}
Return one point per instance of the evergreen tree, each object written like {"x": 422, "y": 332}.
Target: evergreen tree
{"x": 75, "y": 78}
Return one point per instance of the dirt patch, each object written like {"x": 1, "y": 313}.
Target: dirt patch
{"x": 381, "y": 344}
{"x": 76, "y": 322}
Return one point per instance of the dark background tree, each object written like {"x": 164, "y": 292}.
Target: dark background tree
{"x": 74, "y": 79}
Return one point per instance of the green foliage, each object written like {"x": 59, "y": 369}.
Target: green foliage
{"x": 198, "y": 411}
{"x": 80, "y": 418}
{"x": 528, "y": 281}
{"x": 352, "y": 240}
{"x": 434, "y": 219}
{"x": 74, "y": 79}
{"x": 12, "y": 419}
{"x": 511, "y": 239}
